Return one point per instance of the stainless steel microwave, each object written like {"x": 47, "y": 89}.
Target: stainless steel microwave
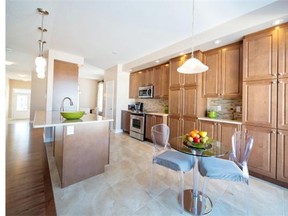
{"x": 146, "y": 92}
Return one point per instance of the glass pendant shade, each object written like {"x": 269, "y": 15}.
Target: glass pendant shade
{"x": 192, "y": 66}
{"x": 40, "y": 61}
{"x": 40, "y": 69}
{"x": 41, "y": 75}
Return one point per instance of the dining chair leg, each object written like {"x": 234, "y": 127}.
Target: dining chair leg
{"x": 181, "y": 190}
{"x": 246, "y": 198}
{"x": 152, "y": 177}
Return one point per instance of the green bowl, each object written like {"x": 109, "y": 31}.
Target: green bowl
{"x": 212, "y": 114}
{"x": 72, "y": 115}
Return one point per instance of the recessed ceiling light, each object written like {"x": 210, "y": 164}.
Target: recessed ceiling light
{"x": 9, "y": 63}
{"x": 181, "y": 53}
{"x": 22, "y": 75}
{"x": 217, "y": 41}
{"x": 157, "y": 61}
{"x": 277, "y": 22}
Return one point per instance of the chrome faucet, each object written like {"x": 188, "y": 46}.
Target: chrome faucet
{"x": 62, "y": 103}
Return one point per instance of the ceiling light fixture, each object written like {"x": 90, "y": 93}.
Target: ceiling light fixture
{"x": 40, "y": 61}
{"x": 217, "y": 41}
{"x": 192, "y": 65}
{"x": 277, "y": 22}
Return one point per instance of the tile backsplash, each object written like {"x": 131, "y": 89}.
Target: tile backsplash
{"x": 226, "y": 108}
{"x": 153, "y": 105}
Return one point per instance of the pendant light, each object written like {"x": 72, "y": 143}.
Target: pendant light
{"x": 40, "y": 61}
{"x": 192, "y": 65}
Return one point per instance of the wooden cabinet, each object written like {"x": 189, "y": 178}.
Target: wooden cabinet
{"x": 156, "y": 76}
{"x": 259, "y": 103}
{"x": 185, "y": 98}
{"x": 178, "y": 79}
{"x": 224, "y": 77}
{"x": 283, "y": 104}
{"x": 283, "y": 52}
{"x": 179, "y": 125}
{"x": 282, "y": 156}
{"x": 125, "y": 121}
{"x": 265, "y": 104}
{"x": 152, "y": 120}
{"x": 220, "y": 131}
{"x": 161, "y": 81}
{"x": 134, "y": 85}
{"x": 260, "y": 55}
{"x": 262, "y": 159}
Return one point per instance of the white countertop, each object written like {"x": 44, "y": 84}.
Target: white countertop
{"x": 158, "y": 114}
{"x": 53, "y": 118}
{"x": 220, "y": 120}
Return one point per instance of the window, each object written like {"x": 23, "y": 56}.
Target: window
{"x": 22, "y": 103}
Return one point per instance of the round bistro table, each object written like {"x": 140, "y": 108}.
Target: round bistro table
{"x": 194, "y": 199}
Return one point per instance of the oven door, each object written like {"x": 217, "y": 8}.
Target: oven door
{"x": 137, "y": 124}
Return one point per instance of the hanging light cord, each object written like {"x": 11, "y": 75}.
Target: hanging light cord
{"x": 193, "y": 11}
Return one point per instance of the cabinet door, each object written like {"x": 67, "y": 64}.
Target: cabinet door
{"x": 260, "y": 55}
{"x": 188, "y": 124}
{"x": 283, "y": 52}
{"x": 282, "y": 156}
{"x": 283, "y": 104}
{"x": 211, "y": 78}
{"x": 161, "y": 81}
{"x": 148, "y": 77}
{"x": 176, "y": 78}
{"x": 164, "y": 82}
{"x": 174, "y": 125}
{"x": 224, "y": 135}
{"x": 125, "y": 121}
{"x": 210, "y": 127}
{"x": 262, "y": 159}
{"x": 148, "y": 126}
{"x": 134, "y": 85}
{"x": 174, "y": 101}
{"x": 259, "y": 103}
{"x": 231, "y": 71}
{"x": 189, "y": 98}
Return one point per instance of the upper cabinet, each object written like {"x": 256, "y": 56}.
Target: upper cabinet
{"x": 161, "y": 81}
{"x": 260, "y": 55}
{"x": 224, "y": 77}
{"x": 283, "y": 52}
{"x": 157, "y": 76}
{"x": 134, "y": 85}
{"x": 178, "y": 79}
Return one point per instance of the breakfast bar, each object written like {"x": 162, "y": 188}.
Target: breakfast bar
{"x": 80, "y": 147}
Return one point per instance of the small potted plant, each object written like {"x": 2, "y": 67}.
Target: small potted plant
{"x": 166, "y": 109}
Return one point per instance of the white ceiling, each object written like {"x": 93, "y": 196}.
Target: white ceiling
{"x": 133, "y": 33}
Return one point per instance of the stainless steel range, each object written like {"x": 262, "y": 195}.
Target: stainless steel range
{"x": 137, "y": 125}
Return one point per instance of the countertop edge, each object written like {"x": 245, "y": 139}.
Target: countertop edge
{"x": 44, "y": 119}
{"x": 220, "y": 120}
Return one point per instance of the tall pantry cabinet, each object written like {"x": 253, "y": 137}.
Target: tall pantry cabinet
{"x": 185, "y": 98}
{"x": 265, "y": 103}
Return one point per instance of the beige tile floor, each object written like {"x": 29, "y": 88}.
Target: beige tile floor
{"x": 124, "y": 188}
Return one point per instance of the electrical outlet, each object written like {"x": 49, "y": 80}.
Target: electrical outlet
{"x": 70, "y": 130}
{"x": 238, "y": 109}
{"x": 218, "y": 108}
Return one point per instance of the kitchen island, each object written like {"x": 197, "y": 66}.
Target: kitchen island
{"x": 80, "y": 147}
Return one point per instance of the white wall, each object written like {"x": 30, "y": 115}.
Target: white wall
{"x": 88, "y": 89}
{"x": 121, "y": 93}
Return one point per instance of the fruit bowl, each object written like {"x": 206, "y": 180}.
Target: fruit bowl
{"x": 196, "y": 139}
{"x": 206, "y": 145}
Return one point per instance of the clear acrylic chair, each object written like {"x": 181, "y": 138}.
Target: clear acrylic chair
{"x": 235, "y": 169}
{"x": 164, "y": 156}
